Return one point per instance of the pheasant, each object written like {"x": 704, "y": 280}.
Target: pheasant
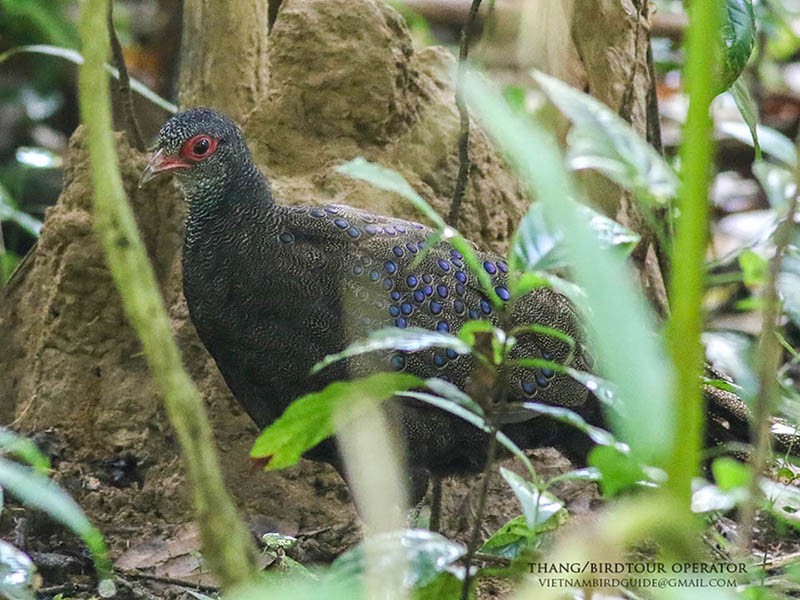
{"x": 273, "y": 289}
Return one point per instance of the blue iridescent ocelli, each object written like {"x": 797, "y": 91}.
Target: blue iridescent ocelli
{"x": 394, "y": 311}
{"x": 419, "y": 295}
{"x": 397, "y": 362}
{"x": 286, "y": 237}
{"x": 398, "y": 251}
{"x": 341, "y": 223}
{"x": 474, "y": 314}
{"x": 401, "y": 322}
{"x": 529, "y": 388}
{"x": 390, "y": 266}
{"x": 542, "y": 381}
{"x": 332, "y": 210}
{"x": 412, "y": 247}
{"x": 458, "y": 307}
{"x": 442, "y": 326}
{"x": 354, "y": 233}
{"x": 502, "y": 266}
{"x": 489, "y": 268}
{"x": 443, "y": 265}
{"x": 436, "y": 307}
{"x": 317, "y": 212}
{"x": 427, "y": 278}
{"x": 461, "y": 277}
{"x": 374, "y": 276}
{"x": 439, "y": 360}
{"x": 442, "y": 291}
{"x": 388, "y": 284}
{"x": 371, "y": 229}
{"x": 406, "y": 308}
{"x": 428, "y": 289}
{"x": 456, "y": 254}
{"x": 502, "y": 292}
{"x": 460, "y": 289}
{"x": 451, "y": 354}
{"x": 395, "y": 295}
{"x": 486, "y": 308}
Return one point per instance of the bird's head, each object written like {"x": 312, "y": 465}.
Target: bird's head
{"x": 202, "y": 147}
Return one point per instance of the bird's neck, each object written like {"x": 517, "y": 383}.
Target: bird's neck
{"x": 245, "y": 193}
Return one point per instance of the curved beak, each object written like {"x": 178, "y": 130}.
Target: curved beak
{"x": 160, "y": 163}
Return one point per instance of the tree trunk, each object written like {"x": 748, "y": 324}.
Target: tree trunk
{"x": 224, "y": 61}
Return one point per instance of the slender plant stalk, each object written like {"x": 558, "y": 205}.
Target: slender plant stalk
{"x": 124, "y": 83}
{"x": 475, "y": 535}
{"x": 687, "y": 282}
{"x": 463, "y": 116}
{"x": 769, "y": 357}
{"x": 226, "y": 546}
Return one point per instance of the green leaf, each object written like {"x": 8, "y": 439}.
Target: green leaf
{"x": 565, "y": 415}
{"x": 471, "y": 417}
{"x": 36, "y": 490}
{"x": 749, "y": 111}
{"x": 772, "y": 142}
{"x": 730, "y": 474}
{"x": 19, "y": 580}
{"x": 75, "y": 57}
{"x": 623, "y": 326}
{"x": 739, "y": 39}
{"x": 537, "y": 506}
{"x": 732, "y": 353}
{"x": 783, "y": 500}
{"x": 755, "y": 268}
{"x": 9, "y": 212}
{"x": 313, "y": 417}
{"x": 24, "y": 449}
{"x": 411, "y": 339}
{"x": 537, "y": 247}
{"x": 778, "y": 183}
{"x": 392, "y": 181}
{"x": 601, "y": 140}
{"x": 619, "y": 471}
{"x": 421, "y": 554}
{"x": 514, "y": 538}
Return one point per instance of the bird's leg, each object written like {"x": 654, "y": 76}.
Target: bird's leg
{"x": 435, "y": 524}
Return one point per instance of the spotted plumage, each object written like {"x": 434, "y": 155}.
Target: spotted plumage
{"x": 272, "y": 289}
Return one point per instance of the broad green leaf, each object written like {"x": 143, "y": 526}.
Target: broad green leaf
{"x": 749, "y": 111}
{"x": 537, "y": 506}
{"x": 9, "y": 212}
{"x": 474, "y": 419}
{"x": 782, "y": 500}
{"x": 537, "y": 247}
{"x": 36, "y": 490}
{"x": 601, "y": 140}
{"x": 420, "y": 553}
{"x": 75, "y": 57}
{"x": 444, "y": 585}
{"x": 739, "y": 39}
{"x": 622, "y": 324}
{"x": 24, "y": 449}
{"x": 730, "y": 474}
{"x": 585, "y": 474}
{"x": 755, "y": 268}
{"x": 707, "y": 497}
{"x": 513, "y": 539}
{"x": 18, "y": 580}
{"x": 778, "y": 183}
{"x": 313, "y": 417}
{"x": 392, "y": 181}
{"x": 732, "y": 352}
{"x": 772, "y": 142}
{"x": 619, "y": 470}
{"x": 565, "y": 415}
{"x": 411, "y": 339}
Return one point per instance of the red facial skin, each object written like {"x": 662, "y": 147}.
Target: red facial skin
{"x": 193, "y": 150}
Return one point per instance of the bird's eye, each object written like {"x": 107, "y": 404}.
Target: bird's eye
{"x": 201, "y": 146}
{"x": 198, "y": 147}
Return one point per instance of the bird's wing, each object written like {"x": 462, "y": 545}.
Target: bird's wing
{"x": 380, "y": 286}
